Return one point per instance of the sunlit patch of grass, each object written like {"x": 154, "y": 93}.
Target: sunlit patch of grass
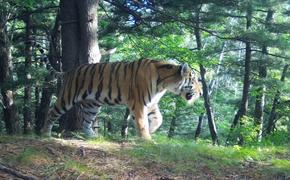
{"x": 104, "y": 143}
{"x": 82, "y": 168}
{"x": 77, "y": 166}
{"x": 101, "y": 140}
{"x": 31, "y": 156}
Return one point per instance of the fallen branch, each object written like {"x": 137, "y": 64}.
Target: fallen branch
{"x": 16, "y": 173}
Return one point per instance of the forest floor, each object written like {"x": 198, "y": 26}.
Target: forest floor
{"x": 35, "y": 158}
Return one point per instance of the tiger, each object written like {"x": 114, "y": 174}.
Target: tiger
{"x": 139, "y": 85}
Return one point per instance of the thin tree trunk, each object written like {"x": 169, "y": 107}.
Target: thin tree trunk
{"x": 124, "y": 131}
{"x": 199, "y": 126}
{"x": 273, "y": 114}
{"x": 211, "y": 89}
{"x": 42, "y": 111}
{"x": 10, "y": 112}
{"x": 27, "y": 115}
{"x": 48, "y": 87}
{"x": 172, "y": 127}
{"x": 36, "y": 95}
{"x": 260, "y": 98}
{"x": 242, "y": 111}
{"x": 209, "y": 111}
{"x": 207, "y": 104}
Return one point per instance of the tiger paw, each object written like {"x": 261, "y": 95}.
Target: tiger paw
{"x": 45, "y": 132}
{"x": 90, "y": 133}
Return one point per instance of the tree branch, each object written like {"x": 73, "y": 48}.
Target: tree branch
{"x": 270, "y": 54}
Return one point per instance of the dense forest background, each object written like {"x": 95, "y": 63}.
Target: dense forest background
{"x": 239, "y": 48}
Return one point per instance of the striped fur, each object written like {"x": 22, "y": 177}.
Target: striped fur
{"x": 139, "y": 85}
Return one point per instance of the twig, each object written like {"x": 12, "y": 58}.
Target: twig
{"x": 16, "y": 173}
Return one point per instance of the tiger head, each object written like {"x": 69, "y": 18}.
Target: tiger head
{"x": 181, "y": 80}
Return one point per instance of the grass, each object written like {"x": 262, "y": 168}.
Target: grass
{"x": 281, "y": 165}
{"x": 176, "y": 156}
{"x": 184, "y": 155}
{"x": 77, "y": 166}
{"x": 31, "y": 156}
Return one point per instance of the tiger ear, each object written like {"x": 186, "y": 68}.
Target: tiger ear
{"x": 184, "y": 69}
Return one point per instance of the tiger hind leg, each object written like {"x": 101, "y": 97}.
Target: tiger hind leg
{"x": 53, "y": 114}
{"x": 90, "y": 111}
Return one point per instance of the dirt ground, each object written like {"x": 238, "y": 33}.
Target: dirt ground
{"x": 23, "y": 158}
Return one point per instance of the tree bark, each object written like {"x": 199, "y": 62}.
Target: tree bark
{"x": 79, "y": 45}
{"x": 27, "y": 115}
{"x": 207, "y": 104}
{"x": 88, "y": 23}
{"x": 273, "y": 114}
{"x": 260, "y": 97}
{"x": 10, "y": 112}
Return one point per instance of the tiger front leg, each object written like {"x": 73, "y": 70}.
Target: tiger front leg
{"x": 142, "y": 123}
{"x": 155, "y": 118}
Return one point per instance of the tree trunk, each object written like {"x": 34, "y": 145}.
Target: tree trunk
{"x": 89, "y": 51}
{"x": 10, "y": 112}
{"x": 260, "y": 98}
{"x": 27, "y": 115}
{"x": 79, "y": 45}
{"x": 207, "y": 104}
{"x": 242, "y": 111}
{"x": 273, "y": 114}
{"x": 209, "y": 111}
{"x": 124, "y": 131}
{"x": 199, "y": 126}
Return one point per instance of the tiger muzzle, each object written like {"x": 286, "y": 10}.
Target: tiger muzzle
{"x": 189, "y": 95}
